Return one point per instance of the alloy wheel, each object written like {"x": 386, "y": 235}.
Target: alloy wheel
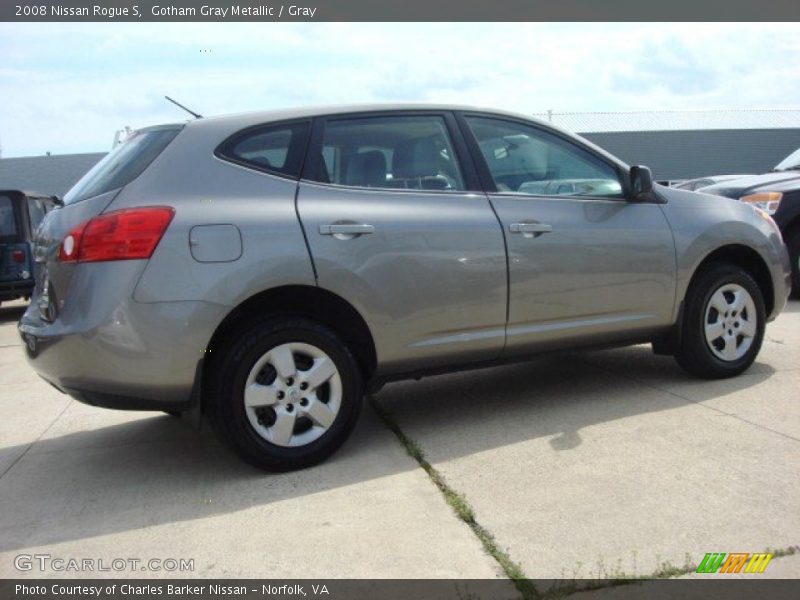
{"x": 293, "y": 394}
{"x": 730, "y": 322}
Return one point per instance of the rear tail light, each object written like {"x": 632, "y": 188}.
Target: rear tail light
{"x": 130, "y": 233}
{"x": 18, "y": 256}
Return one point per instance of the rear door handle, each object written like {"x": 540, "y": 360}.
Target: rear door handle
{"x": 346, "y": 229}
{"x": 530, "y": 228}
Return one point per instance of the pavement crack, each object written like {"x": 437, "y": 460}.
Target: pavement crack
{"x": 460, "y": 506}
{"x": 39, "y": 437}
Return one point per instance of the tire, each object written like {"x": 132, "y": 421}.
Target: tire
{"x": 281, "y": 361}
{"x": 793, "y": 245}
{"x": 719, "y": 285}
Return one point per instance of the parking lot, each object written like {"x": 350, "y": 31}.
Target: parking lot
{"x": 599, "y": 464}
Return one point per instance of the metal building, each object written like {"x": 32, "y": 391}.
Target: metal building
{"x": 49, "y": 175}
{"x": 674, "y": 144}
{"x": 689, "y": 144}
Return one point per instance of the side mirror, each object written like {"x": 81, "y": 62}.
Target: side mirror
{"x": 641, "y": 181}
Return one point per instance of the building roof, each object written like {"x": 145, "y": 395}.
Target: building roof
{"x": 49, "y": 175}
{"x": 674, "y": 120}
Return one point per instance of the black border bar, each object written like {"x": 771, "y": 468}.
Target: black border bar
{"x": 396, "y": 10}
{"x": 399, "y": 589}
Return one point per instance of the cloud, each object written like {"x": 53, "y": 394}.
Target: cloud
{"x": 72, "y": 89}
{"x": 667, "y": 64}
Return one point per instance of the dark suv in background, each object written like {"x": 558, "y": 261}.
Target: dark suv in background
{"x": 20, "y": 215}
{"x": 778, "y": 193}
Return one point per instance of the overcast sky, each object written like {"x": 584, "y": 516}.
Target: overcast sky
{"x": 68, "y": 87}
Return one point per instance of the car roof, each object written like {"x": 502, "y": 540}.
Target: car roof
{"x": 325, "y": 110}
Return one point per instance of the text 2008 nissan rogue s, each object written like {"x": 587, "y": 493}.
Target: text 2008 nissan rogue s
{"x": 269, "y": 267}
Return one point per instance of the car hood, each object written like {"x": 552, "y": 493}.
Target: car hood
{"x": 777, "y": 181}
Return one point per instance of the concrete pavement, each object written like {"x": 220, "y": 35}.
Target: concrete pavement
{"x": 617, "y": 463}
{"x": 579, "y": 465}
{"x": 86, "y": 482}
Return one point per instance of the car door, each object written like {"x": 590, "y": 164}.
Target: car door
{"x": 397, "y": 226}
{"x": 585, "y": 264}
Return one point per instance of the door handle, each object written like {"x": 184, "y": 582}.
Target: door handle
{"x": 538, "y": 228}
{"x": 346, "y": 229}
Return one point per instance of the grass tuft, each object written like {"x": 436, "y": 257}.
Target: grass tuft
{"x": 461, "y": 507}
{"x": 526, "y": 587}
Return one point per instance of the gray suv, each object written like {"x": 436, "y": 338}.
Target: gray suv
{"x": 270, "y": 268}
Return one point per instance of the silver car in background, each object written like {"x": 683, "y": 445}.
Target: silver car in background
{"x": 268, "y": 268}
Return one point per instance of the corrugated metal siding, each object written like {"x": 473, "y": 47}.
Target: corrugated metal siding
{"x": 45, "y": 174}
{"x": 673, "y": 120}
{"x": 690, "y": 154}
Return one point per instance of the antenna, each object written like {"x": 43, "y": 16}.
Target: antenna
{"x": 179, "y": 105}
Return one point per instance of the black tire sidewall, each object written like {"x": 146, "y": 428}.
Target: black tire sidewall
{"x": 228, "y": 412}
{"x": 695, "y": 355}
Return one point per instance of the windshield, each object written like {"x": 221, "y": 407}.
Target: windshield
{"x": 8, "y": 223}
{"x": 123, "y": 164}
{"x": 790, "y": 162}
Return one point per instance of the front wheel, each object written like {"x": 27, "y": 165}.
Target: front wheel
{"x": 724, "y": 320}
{"x": 287, "y": 393}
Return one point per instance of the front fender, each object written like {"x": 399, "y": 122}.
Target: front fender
{"x": 704, "y": 224}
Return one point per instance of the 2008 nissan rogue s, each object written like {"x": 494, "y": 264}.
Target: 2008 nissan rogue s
{"x": 270, "y": 267}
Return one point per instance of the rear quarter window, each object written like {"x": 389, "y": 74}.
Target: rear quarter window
{"x": 123, "y": 164}
{"x": 275, "y": 148}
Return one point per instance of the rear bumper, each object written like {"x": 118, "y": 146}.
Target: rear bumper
{"x": 126, "y": 402}
{"x": 125, "y": 354}
{"x": 11, "y": 290}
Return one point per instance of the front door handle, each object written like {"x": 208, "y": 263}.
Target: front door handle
{"x": 346, "y": 229}
{"x": 535, "y": 228}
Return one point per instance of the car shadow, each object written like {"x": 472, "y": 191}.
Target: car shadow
{"x": 154, "y": 469}
{"x": 554, "y": 397}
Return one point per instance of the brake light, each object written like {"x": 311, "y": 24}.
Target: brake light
{"x": 130, "y": 233}
{"x": 18, "y": 256}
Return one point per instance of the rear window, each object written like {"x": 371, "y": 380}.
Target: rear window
{"x": 123, "y": 164}
{"x": 8, "y": 222}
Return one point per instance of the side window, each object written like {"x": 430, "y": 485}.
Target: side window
{"x": 526, "y": 160}
{"x": 403, "y": 152}
{"x": 275, "y": 148}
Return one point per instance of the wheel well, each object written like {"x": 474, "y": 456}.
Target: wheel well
{"x": 311, "y": 302}
{"x": 749, "y": 260}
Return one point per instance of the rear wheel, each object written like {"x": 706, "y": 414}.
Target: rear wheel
{"x": 724, "y": 319}
{"x": 287, "y": 394}
{"x": 794, "y": 255}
